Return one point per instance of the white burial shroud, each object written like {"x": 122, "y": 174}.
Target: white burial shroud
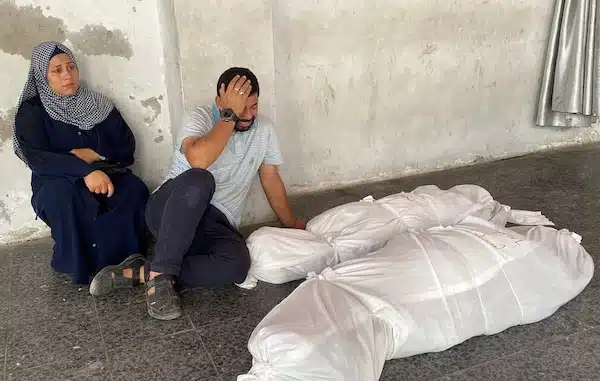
{"x": 425, "y": 291}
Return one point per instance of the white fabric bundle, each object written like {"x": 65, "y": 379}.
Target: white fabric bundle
{"x": 425, "y": 291}
{"x": 319, "y": 332}
{"x": 355, "y": 229}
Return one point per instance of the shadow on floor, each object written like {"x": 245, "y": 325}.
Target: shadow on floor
{"x": 51, "y": 330}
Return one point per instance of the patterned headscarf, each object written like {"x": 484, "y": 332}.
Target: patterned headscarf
{"x": 84, "y": 109}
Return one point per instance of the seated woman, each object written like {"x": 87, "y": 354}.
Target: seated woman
{"x": 78, "y": 148}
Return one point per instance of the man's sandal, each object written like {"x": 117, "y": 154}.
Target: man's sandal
{"x": 164, "y": 303}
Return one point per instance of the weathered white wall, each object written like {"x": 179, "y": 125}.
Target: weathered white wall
{"x": 119, "y": 48}
{"x": 374, "y": 89}
{"x": 359, "y": 90}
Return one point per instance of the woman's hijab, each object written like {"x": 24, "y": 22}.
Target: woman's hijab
{"x": 84, "y": 109}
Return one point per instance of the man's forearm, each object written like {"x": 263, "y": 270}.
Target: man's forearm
{"x": 203, "y": 151}
{"x": 277, "y": 197}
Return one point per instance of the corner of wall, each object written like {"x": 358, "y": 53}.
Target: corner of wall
{"x": 171, "y": 64}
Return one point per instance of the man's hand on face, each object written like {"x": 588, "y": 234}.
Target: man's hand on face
{"x": 236, "y": 94}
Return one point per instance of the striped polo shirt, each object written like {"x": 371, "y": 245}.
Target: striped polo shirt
{"x": 236, "y": 167}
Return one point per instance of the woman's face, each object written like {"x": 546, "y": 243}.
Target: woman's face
{"x": 63, "y": 76}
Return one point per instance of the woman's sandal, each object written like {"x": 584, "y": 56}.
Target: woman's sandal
{"x": 111, "y": 277}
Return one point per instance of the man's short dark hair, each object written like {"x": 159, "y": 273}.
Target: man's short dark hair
{"x": 230, "y": 73}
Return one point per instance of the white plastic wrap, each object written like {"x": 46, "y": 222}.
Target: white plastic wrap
{"x": 319, "y": 332}
{"x": 432, "y": 289}
{"x": 355, "y": 229}
{"x": 287, "y": 254}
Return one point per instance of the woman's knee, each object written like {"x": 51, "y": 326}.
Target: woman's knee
{"x": 135, "y": 189}
{"x": 54, "y": 199}
{"x": 58, "y": 191}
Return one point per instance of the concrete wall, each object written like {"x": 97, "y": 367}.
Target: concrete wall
{"x": 360, "y": 90}
{"x": 379, "y": 89}
{"x": 120, "y": 51}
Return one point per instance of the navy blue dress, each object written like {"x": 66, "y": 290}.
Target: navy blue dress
{"x": 90, "y": 231}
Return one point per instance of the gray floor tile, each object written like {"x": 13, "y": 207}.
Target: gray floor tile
{"x": 591, "y": 295}
{"x": 89, "y": 369}
{"x": 4, "y": 258}
{"x": 209, "y": 306}
{"x": 3, "y": 342}
{"x": 472, "y": 352}
{"x": 63, "y": 339}
{"x": 573, "y": 358}
{"x": 529, "y": 335}
{"x": 416, "y": 368}
{"x": 38, "y": 293}
{"x": 578, "y": 309}
{"x": 227, "y": 344}
{"x": 6, "y": 298}
{"x": 124, "y": 319}
{"x": 171, "y": 358}
{"x": 36, "y": 251}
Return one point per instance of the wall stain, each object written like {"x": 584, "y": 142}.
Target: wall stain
{"x": 159, "y": 140}
{"x": 154, "y": 105}
{"x": 373, "y": 102}
{"x": 6, "y": 125}
{"x": 327, "y": 92}
{"x": 4, "y": 212}
{"x": 25, "y": 27}
{"x": 429, "y": 50}
{"x": 97, "y": 40}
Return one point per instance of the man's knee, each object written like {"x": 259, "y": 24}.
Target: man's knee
{"x": 196, "y": 186}
{"x": 196, "y": 177}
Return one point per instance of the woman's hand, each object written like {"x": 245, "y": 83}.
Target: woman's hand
{"x": 98, "y": 182}
{"x": 86, "y": 154}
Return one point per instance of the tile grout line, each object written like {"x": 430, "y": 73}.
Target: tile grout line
{"x": 109, "y": 364}
{"x": 203, "y": 345}
{"x": 431, "y": 364}
{"x": 128, "y": 346}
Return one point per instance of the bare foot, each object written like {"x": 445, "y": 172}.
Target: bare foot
{"x": 153, "y": 275}
{"x": 128, "y": 273}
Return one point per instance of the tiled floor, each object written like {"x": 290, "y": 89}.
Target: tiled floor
{"x": 51, "y": 330}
